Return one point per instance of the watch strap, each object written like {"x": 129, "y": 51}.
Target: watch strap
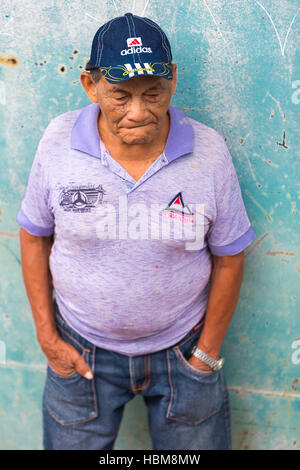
{"x": 215, "y": 364}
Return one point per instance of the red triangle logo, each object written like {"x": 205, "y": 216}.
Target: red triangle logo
{"x": 177, "y": 201}
{"x": 134, "y": 42}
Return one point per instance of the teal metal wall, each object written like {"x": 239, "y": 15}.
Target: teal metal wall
{"x": 239, "y": 72}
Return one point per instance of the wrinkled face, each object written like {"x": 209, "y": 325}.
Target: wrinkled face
{"x": 135, "y": 110}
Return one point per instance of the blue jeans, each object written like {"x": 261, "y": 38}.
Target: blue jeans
{"x": 187, "y": 409}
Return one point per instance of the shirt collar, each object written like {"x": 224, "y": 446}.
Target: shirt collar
{"x": 85, "y": 136}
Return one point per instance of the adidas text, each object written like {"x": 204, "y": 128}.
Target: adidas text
{"x": 137, "y": 50}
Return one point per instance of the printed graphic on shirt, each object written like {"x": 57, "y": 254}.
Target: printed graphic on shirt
{"x": 176, "y": 209}
{"x": 81, "y": 198}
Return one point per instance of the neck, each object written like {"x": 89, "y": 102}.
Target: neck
{"x": 131, "y": 152}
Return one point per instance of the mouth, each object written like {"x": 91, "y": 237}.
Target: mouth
{"x": 137, "y": 127}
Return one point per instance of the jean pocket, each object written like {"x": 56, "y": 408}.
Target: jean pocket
{"x": 71, "y": 399}
{"x": 67, "y": 376}
{"x": 195, "y": 395}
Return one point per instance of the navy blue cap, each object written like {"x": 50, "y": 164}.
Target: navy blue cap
{"x": 129, "y": 46}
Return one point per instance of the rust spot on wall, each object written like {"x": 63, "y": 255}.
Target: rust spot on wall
{"x": 243, "y": 444}
{"x": 10, "y": 235}
{"x": 243, "y": 339}
{"x": 294, "y": 385}
{"x": 8, "y": 60}
{"x": 274, "y": 253}
{"x": 256, "y": 245}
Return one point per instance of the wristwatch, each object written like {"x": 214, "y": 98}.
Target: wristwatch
{"x": 213, "y": 363}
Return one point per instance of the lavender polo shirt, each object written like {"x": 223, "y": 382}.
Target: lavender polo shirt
{"x": 131, "y": 260}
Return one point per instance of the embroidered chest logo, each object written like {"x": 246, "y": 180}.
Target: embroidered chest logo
{"x": 176, "y": 209}
{"x": 81, "y": 198}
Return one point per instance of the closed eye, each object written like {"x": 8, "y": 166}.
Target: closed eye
{"x": 152, "y": 96}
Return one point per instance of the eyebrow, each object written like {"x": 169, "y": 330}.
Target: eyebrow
{"x": 118, "y": 90}
{"x": 155, "y": 87}
{"x": 115, "y": 89}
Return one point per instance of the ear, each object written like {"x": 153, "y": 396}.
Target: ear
{"x": 174, "y": 79}
{"x": 88, "y": 84}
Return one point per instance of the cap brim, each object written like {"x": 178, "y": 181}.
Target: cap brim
{"x": 89, "y": 67}
{"x": 120, "y": 73}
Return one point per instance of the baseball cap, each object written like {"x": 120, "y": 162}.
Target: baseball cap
{"x": 129, "y": 46}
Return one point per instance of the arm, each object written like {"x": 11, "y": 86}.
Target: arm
{"x": 226, "y": 280}
{"x": 35, "y": 252}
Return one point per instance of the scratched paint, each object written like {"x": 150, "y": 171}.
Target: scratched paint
{"x": 2, "y": 92}
{"x": 238, "y": 72}
{"x": 2, "y": 352}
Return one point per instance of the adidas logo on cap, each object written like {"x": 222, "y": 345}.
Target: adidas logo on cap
{"x": 135, "y": 47}
{"x": 134, "y": 42}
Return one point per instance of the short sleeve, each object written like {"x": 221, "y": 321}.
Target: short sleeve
{"x": 231, "y": 230}
{"x": 35, "y": 215}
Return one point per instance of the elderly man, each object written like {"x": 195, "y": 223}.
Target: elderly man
{"x": 133, "y": 217}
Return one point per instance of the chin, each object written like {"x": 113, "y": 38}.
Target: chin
{"x": 137, "y": 139}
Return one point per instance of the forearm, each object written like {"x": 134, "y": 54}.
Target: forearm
{"x": 225, "y": 284}
{"x": 37, "y": 278}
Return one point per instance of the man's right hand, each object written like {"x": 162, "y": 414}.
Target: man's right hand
{"x": 63, "y": 358}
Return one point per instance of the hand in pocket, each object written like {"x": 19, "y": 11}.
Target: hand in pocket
{"x": 64, "y": 359}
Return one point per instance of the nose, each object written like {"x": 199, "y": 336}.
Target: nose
{"x": 137, "y": 111}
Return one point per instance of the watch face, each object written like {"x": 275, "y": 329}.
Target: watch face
{"x": 220, "y": 364}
